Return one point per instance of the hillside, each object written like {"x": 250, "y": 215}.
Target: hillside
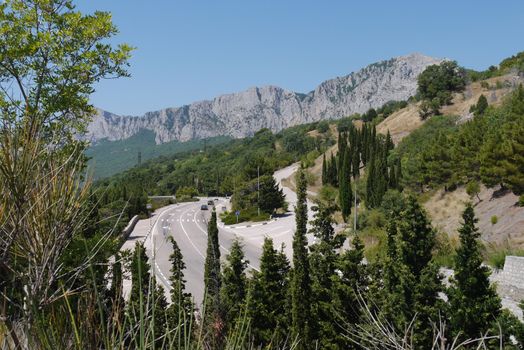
{"x": 445, "y": 208}
{"x": 403, "y": 122}
{"x": 108, "y": 158}
{"x": 242, "y": 114}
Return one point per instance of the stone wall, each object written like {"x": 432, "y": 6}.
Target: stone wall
{"x": 513, "y": 273}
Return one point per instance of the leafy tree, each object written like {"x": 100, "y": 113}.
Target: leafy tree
{"x": 473, "y": 189}
{"x": 441, "y": 78}
{"x": 437, "y": 82}
{"x": 474, "y": 303}
{"x": 51, "y": 57}
{"x": 267, "y": 305}
{"x": 234, "y": 286}
{"x": 301, "y": 281}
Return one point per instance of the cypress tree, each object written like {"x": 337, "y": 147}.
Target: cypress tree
{"x": 234, "y": 287}
{"x": 345, "y": 192}
{"x": 323, "y": 261}
{"x": 181, "y": 308}
{"x": 140, "y": 275}
{"x": 389, "y": 145}
{"x": 392, "y": 180}
{"x": 213, "y": 282}
{"x": 115, "y": 292}
{"x": 355, "y": 163}
{"x": 267, "y": 303}
{"x": 324, "y": 170}
{"x": 351, "y": 279}
{"x": 411, "y": 280}
{"x": 159, "y": 313}
{"x": 376, "y": 185}
{"x": 370, "y": 185}
{"x": 333, "y": 171}
{"x": 301, "y": 283}
{"x": 474, "y": 303}
{"x": 398, "y": 173}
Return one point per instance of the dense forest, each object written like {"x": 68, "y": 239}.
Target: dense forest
{"x": 232, "y": 168}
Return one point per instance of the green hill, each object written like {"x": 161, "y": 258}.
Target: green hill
{"x": 110, "y": 157}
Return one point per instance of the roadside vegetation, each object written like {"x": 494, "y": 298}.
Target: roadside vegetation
{"x": 61, "y": 278}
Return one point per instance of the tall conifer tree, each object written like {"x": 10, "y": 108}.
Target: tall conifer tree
{"x": 181, "y": 308}
{"x": 234, "y": 287}
{"x": 213, "y": 281}
{"x": 345, "y": 192}
{"x": 301, "y": 282}
{"x": 267, "y": 304}
{"x": 474, "y": 303}
{"x": 323, "y": 262}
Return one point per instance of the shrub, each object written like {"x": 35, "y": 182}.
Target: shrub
{"x": 494, "y": 219}
{"x": 250, "y": 214}
{"x": 186, "y": 193}
{"x": 473, "y": 189}
{"x": 323, "y": 126}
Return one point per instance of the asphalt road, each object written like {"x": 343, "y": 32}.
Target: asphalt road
{"x": 187, "y": 224}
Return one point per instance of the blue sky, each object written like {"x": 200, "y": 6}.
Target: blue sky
{"x": 193, "y": 50}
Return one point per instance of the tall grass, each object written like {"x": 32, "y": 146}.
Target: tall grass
{"x": 45, "y": 304}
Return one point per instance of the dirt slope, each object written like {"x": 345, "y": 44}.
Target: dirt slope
{"x": 403, "y": 122}
{"x": 445, "y": 210}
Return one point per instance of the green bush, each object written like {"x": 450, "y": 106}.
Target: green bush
{"x": 186, "y": 193}
{"x": 251, "y": 214}
{"x": 323, "y": 126}
{"x": 494, "y": 219}
{"x": 495, "y": 255}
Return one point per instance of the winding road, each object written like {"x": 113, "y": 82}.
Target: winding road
{"x": 187, "y": 224}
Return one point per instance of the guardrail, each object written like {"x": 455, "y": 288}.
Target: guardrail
{"x": 129, "y": 228}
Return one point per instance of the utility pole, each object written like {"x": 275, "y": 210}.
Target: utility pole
{"x": 258, "y": 189}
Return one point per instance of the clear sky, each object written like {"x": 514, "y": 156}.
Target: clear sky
{"x": 193, "y": 50}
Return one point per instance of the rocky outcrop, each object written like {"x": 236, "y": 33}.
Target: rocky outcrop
{"x": 242, "y": 114}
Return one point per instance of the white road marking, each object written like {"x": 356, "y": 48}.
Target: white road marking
{"x": 221, "y": 246}
{"x": 190, "y": 241}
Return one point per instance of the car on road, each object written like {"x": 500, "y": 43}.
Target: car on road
{"x": 203, "y": 207}
{"x": 224, "y": 209}
{"x": 210, "y": 202}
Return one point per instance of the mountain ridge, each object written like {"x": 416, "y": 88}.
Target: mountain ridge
{"x": 241, "y": 114}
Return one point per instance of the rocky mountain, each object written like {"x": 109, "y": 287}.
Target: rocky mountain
{"x": 242, "y": 114}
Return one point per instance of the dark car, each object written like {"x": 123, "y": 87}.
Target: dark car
{"x": 210, "y": 203}
{"x": 203, "y": 207}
